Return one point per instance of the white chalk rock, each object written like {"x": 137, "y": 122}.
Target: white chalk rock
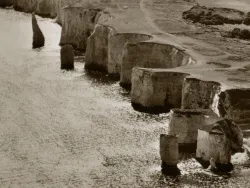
{"x": 156, "y": 89}
{"x": 151, "y": 55}
{"x": 77, "y": 25}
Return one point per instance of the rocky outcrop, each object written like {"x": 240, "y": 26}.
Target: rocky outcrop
{"x": 38, "y": 37}
{"x": 59, "y": 9}
{"x": 47, "y": 8}
{"x": 199, "y": 94}
{"x": 235, "y": 104}
{"x": 6, "y": 3}
{"x": 185, "y": 124}
{"x": 77, "y": 25}
{"x": 156, "y": 90}
{"x": 214, "y": 16}
{"x": 151, "y": 55}
{"x": 219, "y": 141}
{"x": 97, "y": 51}
{"x": 169, "y": 154}
{"x": 116, "y": 47}
{"x": 67, "y": 57}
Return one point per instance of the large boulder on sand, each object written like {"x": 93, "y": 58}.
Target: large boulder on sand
{"x": 38, "y": 37}
{"x": 5, "y": 3}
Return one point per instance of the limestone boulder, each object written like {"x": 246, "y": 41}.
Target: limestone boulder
{"x": 38, "y": 37}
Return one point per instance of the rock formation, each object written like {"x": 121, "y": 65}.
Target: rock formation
{"x": 67, "y": 57}
{"x": 185, "y": 124}
{"x": 219, "y": 141}
{"x": 78, "y": 24}
{"x": 150, "y": 55}
{"x": 199, "y": 94}
{"x": 169, "y": 154}
{"x": 97, "y": 51}
{"x": 6, "y": 3}
{"x": 156, "y": 90}
{"x": 38, "y": 38}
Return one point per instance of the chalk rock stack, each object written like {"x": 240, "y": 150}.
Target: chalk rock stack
{"x": 219, "y": 141}
{"x": 38, "y": 37}
{"x": 6, "y": 3}
{"x": 67, "y": 57}
{"x": 169, "y": 153}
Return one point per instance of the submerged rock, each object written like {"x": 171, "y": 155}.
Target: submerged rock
{"x": 67, "y": 57}
{"x": 38, "y": 37}
{"x": 6, "y": 3}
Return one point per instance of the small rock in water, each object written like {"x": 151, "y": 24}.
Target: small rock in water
{"x": 38, "y": 37}
{"x": 67, "y": 57}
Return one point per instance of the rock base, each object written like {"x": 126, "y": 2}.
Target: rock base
{"x": 170, "y": 170}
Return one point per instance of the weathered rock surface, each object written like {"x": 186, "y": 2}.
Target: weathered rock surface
{"x": 235, "y": 104}
{"x": 214, "y": 16}
{"x": 59, "y": 9}
{"x": 78, "y": 24}
{"x": 199, "y": 94}
{"x": 151, "y": 55}
{"x": 169, "y": 153}
{"x": 219, "y": 141}
{"x": 156, "y": 90}
{"x": 213, "y": 144}
{"x": 116, "y": 47}
{"x": 47, "y": 8}
{"x": 38, "y": 37}
{"x": 97, "y": 51}
{"x": 67, "y": 57}
{"x": 185, "y": 124}
{"x": 5, "y": 3}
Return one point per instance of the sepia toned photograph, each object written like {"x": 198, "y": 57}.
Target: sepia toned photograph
{"x": 124, "y": 93}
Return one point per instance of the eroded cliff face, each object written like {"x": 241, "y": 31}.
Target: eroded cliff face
{"x": 25, "y": 5}
{"x": 77, "y": 25}
{"x": 199, "y": 94}
{"x": 151, "y": 55}
{"x": 116, "y": 47}
{"x": 97, "y": 50}
{"x": 46, "y": 8}
{"x": 59, "y": 9}
{"x": 156, "y": 89}
{"x": 5, "y": 3}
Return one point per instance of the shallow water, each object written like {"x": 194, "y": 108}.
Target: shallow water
{"x": 78, "y": 129}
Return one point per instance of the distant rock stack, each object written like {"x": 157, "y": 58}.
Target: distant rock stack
{"x": 38, "y": 37}
{"x": 6, "y": 3}
{"x": 67, "y": 57}
{"x": 169, "y": 153}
